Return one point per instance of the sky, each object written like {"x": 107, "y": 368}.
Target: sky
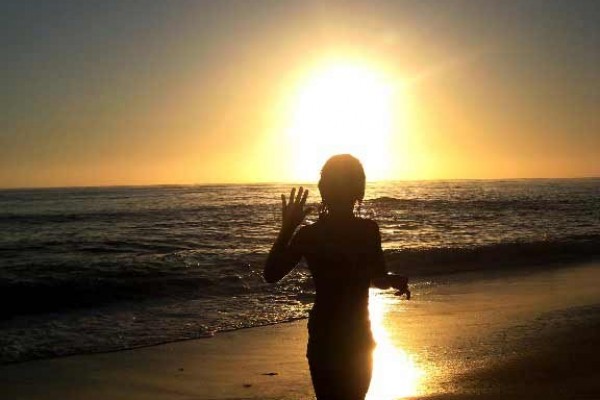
{"x": 156, "y": 92}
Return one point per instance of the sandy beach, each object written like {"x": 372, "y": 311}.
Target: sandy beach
{"x": 527, "y": 335}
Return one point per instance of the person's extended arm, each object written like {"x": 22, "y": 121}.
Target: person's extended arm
{"x": 283, "y": 256}
{"x": 381, "y": 278}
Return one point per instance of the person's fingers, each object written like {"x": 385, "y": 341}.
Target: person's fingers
{"x": 305, "y": 196}
{"x": 292, "y": 194}
{"x": 303, "y": 199}
{"x": 299, "y": 195}
{"x": 282, "y": 204}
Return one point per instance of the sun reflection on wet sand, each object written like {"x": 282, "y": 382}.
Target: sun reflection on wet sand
{"x": 395, "y": 373}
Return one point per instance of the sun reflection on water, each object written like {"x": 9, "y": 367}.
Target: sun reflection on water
{"x": 395, "y": 373}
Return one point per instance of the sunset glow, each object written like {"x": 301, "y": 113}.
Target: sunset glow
{"x": 250, "y": 92}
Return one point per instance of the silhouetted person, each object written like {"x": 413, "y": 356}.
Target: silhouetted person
{"x": 344, "y": 255}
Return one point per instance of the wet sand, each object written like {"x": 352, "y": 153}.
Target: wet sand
{"x": 529, "y": 335}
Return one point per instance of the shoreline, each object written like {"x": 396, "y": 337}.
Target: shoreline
{"x": 453, "y": 340}
{"x": 477, "y": 273}
{"x": 207, "y": 337}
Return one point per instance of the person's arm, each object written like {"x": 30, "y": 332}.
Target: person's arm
{"x": 284, "y": 254}
{"x": 381, "y": 278}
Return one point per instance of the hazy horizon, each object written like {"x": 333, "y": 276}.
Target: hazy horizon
{"x": 291, "y": 183}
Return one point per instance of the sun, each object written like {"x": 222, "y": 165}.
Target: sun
{"x": 343, "y": 107}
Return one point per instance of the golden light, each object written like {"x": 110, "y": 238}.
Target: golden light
{"x": 343, "y": 107}
{"x": 395, "y": 373}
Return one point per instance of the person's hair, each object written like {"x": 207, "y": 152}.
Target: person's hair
{"x": 342, "y": 181}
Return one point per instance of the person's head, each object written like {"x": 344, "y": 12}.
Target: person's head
{"x": 342, "y": 184}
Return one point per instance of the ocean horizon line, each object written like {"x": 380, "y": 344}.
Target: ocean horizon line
{"x": 266, "y": 183}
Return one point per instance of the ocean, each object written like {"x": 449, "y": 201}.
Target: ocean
{"x": 108, "y": 268}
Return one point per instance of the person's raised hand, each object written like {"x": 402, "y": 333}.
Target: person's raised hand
{"x": 293, "y": 212}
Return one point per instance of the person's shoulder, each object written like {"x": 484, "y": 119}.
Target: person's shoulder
{"x": 369, "y": 228}
{"x": 368, "y": 223}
